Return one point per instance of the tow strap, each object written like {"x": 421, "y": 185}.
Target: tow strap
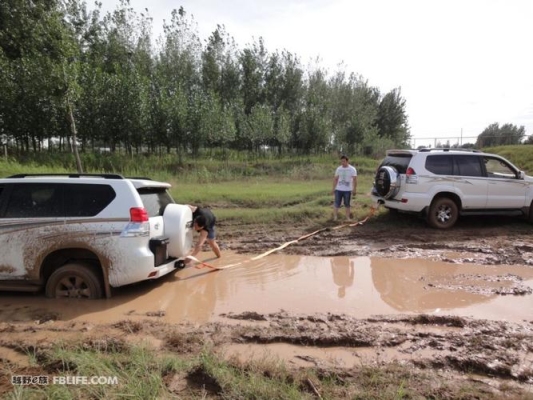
{"x": 202, "y": 264}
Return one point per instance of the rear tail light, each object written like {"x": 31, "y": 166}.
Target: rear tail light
{"x": 139, "y": 225}
{"x": 411, "y": 176}
{"x": 138, "y": 214}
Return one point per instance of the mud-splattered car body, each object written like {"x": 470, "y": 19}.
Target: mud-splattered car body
{"x": 79, "y": 235}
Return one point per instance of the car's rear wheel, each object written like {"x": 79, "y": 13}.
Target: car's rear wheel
{"x": 74, "y": 281}
{"x": 443, "y": 213}
{"x": 387, "y": 182}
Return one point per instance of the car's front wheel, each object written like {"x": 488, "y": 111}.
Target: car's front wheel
{"x": 443, "y": 213}
{"x": 74, "y": 281}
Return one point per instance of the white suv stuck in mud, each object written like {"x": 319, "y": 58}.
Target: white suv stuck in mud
{"x": 442, "y": 184}
{"x": 79, "y": 235}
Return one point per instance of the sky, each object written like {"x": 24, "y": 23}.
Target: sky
{"x": 461, "y": 65}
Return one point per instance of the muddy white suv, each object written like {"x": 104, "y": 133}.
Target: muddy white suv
{"x": 79, "y": 235}
{"x": 442, "y": 184}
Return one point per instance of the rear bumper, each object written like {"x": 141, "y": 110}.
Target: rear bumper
{"x": 408, "y": 202}
{"x": 138, "y": 266}
{"x": 163, "y": 269}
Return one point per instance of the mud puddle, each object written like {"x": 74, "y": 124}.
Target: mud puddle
{"x": 356, "y": 286}
{"x": 324, "y": 357}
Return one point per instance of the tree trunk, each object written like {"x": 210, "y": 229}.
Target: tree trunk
{"x": 74, "y": 143}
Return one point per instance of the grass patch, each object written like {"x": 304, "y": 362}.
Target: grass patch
{"x": 254, "y": 194}
{"x": 145, "y": 373}
{"x": 169, "y": 168}
{"x": 270, "y": 201}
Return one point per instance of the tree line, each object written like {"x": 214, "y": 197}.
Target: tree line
{"x": 507, "y": 134}
{"x": 73, "y": 77}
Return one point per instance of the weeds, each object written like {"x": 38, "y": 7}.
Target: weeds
{"x": 146, "y": 373}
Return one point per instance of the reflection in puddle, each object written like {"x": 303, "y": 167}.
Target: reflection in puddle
{"x": 356, "y": 286}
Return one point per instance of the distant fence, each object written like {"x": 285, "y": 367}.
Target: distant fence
{"x": 442, "y": 141}
{"x": 457, "y": 141}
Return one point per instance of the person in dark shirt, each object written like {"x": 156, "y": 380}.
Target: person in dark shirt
{"x": 204, "y": 222}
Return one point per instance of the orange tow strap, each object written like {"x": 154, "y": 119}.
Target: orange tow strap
{"x": 202, "y": 264}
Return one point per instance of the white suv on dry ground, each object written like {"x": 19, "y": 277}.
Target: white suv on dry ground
{"x": 79, "y": 235}
{"x": 442, "y": 184}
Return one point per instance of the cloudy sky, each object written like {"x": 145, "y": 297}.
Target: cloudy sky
{"x": 461, "y": 64}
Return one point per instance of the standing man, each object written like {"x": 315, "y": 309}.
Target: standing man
{"x": 204, "y": 223}
{"x": 344, "y": 184}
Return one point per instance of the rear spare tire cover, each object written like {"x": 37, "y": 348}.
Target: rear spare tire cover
{"x": 387, "y": 182}
{"x": 178, "y": 228}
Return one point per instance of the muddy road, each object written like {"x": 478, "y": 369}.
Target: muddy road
{"x": 480, "y": 240}
{"x": 457, "y": 304}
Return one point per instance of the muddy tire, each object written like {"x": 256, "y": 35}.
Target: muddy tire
{"x": 443, "y": 213}
{"x": 387, "y": 182}
{"x": 178, "y": 227}
{"x": 74, "y": 281}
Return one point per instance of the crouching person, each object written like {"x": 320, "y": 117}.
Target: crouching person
{"x": 204, "y": 223}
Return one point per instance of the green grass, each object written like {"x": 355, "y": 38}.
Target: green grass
{"x": 139, "y": 372}
{"x": 267, "y": 200}
{"x": 144, "y": 373}
{"x": 257, "y": 193}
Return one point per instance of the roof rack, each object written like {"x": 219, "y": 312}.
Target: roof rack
{"x": 105, "y": 176}
{"x": 139, "y": 177}
{"x": 426, "y": 149}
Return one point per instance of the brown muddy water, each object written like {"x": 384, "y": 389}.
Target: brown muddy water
{"x": 356, "y": 286}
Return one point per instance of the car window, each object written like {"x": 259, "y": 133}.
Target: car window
{"x": 155, "y": 200}
{"x": 87, "y": 200}
{"x": 496, "y": 168}
{"x": 398, "y": 161}
{"x": 34, "y": 200}
{"x": 467, "y": 165}
{"x": 440, "y": 164}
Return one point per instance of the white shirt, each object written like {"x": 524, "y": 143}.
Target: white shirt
{"x": 346, "y": 175}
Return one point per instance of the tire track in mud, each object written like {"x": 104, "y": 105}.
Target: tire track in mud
{"x": 509, "y": 244}
{"x": 463, "y": 345}
{"x": 492, "y": 350}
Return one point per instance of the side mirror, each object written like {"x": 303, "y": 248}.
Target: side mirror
{"x": 521, "y": 175}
